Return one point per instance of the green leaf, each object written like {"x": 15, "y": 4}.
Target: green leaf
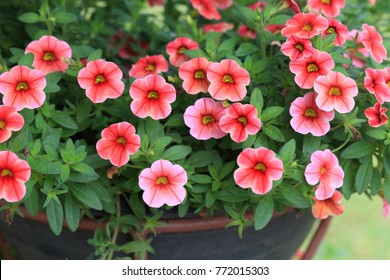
{"x": 87, "y": 196}
{"x": 228, "y": 45}
{"x": 210, "y": 199}
{"x": 183, "y": 208}
{"x": 201, "y": 179}
{"x": 287, "y": 151}
{"x": 21, "y": 140}
{"x": 294, "y": 196}
{"x": 44, "y": 166}
{"x": 357, "y": 150}
{"x": 63, "y": 119}
{"x": 364, "y": 174}
{"x": 339, "y": 58}
{"x": 54, "y": 77}
{"x": 26, "y": 60}
{"x": 176, "y": 152}
{"x": 377, "y": 133}
{"x": 137, "y": 247}
{"x": 65, "y": 171}
{"x": 29, "y": 17}
{"x": 273, "y": 132}
{"x": 195, "y": 53}
{"x": 386, "y": 159}
{"x": 137, "y": 206}
{"x": 271, "y": 112}
{"x": 263, "y": 212}
{"x": 95, "y": 55}
{"x": 246, "y": 49}
{"x": 227, "y": 169}
{"x": 257, "y": 99}
{"x": 348, "y": 186}
{"x": 245, "y": 16}
{"x": 83, "y": 168}
{"x": 161, "y": 142}
{"x": 72, "y": 212}
{"x": 259, "y": 66}
{"x": 201, "y": 158}
{"x": 376, "y": 181}
{"x": 55, "y": 216}
{"x": 32, "y": 203}
{"x": 280, "y": 19}
{"x": 386, "y": 188}
{"x": 224, "y": 195}
{"x": 175, "y": 120}
{"x": 65, "y": 18}
{"x": 310, "y": 145}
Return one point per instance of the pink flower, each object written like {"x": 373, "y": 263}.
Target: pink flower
{"x": 194, "y": 72}
{"x": 176, "y": 49}
{"x": 228, "y": 80}
{"x": 332, "y": 206}
{"x": 374, "y": 82}
{"x": 148, "y": 65}
{"x": 245, "y": 31}
{"x": 257, "y": 169}
{"x": 373, "y": 42}
{"x": 309, "y": 68}
{"x": 14, "y": 173}
{"x": 48, "y": 54}
{"x": 118, "y": 142}
{"x": 330, "y": 8}
{"x": 23, "y": 87}
{"x": 274, "y": 28}
{"x": 296, "y": 48}
{"x": 222, "y": 4}
{"x": 386, "y": 208}
{"x": 308, "y": 118}
{"x": 356, "y": 36}
{"x": 293, "y": 6}
{"x": 163, "y": 184}
{"x": 221, "y": 27}
{"x": 10, "y": 120}
{"x": 240, "y": 120}
{"x": 335, "y": 92}
{"x": 203, "y": 119}
{"x": 324, "y": 168}
{"x": 305, "y": 26}
{"x": 206, "y": 9}
{"x": 260, "y": 5}
{"x": 153, "y": 3}
{"x": 152, "y": 97}
{"x": 386, "y": 75}
{"x": 336, "y": 27}
{"x": 101, "y": 80}
{"x": 376, "y": 115}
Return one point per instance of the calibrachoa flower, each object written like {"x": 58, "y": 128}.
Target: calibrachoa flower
{"x": 308, "y": 118}
{"x": 14, "y": 173}
{"x": 49, "y": 53}
{"x": 149, "y": 65}
{"x": 356, "y": 36}
{"x": 374, "y": 82}
{"x": 152, "y": 97}
{"x": 218, "y": 27}
{"x": 305, "y": 25}
{"x": 336, "y": 27}
{"x": 335, "y": 92}
{"x": 274, "y": 28}
{"x": 101, "y": 80}
{"x": 118, "y": 142}
{"x": 296, "y": 48}
{"x": 228, "y": 80}
{"x": 332, "y": 206}
{"x": 176, "y": 49}
{"x": 153, "y": 3}
{"x": 222, "y": 4}
{"x": 10, "y": 120}
{"x": 324, "y": 168}
{"x": 386, "y": 208}
{"x": 203, "y": 119}
{"x": 293, "y": 6}
{"x": 330, "y": 8}
{"x": 194, "y": 72}
{"x": 257, "y": 169}
{"x": 373, "y": 42}
{"x": 22, "y": 87}
{"x": 206, "y": 9}
{"x": 386, "y": 75}
{"x": 260, "y": 5}
{"x": 376, "y": 115}
{"x": 309, "y": 68}
{"x": 163, "y": 184}
{"x": 245, "y": 31}
{"x": 240, "y": 120}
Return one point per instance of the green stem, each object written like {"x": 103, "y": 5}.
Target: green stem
{"x": 116, "y": 231}
{"x": 337, "y": 126}
{"x": 342, "y": 145}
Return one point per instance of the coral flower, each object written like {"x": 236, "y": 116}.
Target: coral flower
{"x": 221, "y": 27}
{"x": 23, "y": 87}
{"x": 240, "y": 120}
{"x": 324, "y": 168}
{"x": 308, "y": 118}
{"x": 293, "y": 6}
{"x": 206, "y": 9}
{"x": 376, "y": 115}
{"x": 163, "y": 184}
{"x": 330, "y": 8}
{"x": 274, "y": 28}
{"x": 257, "y": 169}
{"x": 152, "y": 97}
{"x": 356, "y": 36}
{"x": 49, "y": 53}
{"x": 373, "y": 42}
{"x": 149, "y": 65}
{"x": 305, "y": 26}
{"x": 309, "y": 68}
{"x": 222, "y": 4}
{"x": 14, "y": 173}
{"x": 335, "y": 91}
{"x": 228, "y": 80}
{"x": 375, "y": 83}
{"x": 176, "y": 49}
{"x": 258, "y": 6}
{"x": 10, "y": 120}
{"x": 194, "y": 73}
{"x": 322, "y": 209}
{"x": 118, "y": 142}
{"x": 386, "y": 208}
{"x": 245, "y": 31}
{"x": 336, "y": 27}
{"x": 101, "y": 80}
{"x": 203, "y": 119}
{"x": 153, "y": 3}
{"x": 296, "y": 48}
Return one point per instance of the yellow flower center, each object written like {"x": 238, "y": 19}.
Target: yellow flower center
{"x": 22, "y": 86}
{"x": 331, "y": 30}
{"x": 335, "y": 91}
{"x": 48, "y": 56}
{"x": 227, "y": 79}
{"x": 150, "y": 67}
{"x": 207, "y": 119}
{"x": 6, "y": 172}
{"x": 327, "y": 2}
{"x": 162, "y": 180}
{"x": 99, "y": 79}
{"x": 312, "y": 67}
{"x": 307, "y": 27}
{"x": 310, "y": 113}
{"x": 181, "y": 50}
{"x": 260, "y": 166}
{"x": 299, "y": 47}
{"x": 152, "y": 95}
{"x": 121, "y": 140}
{"x": 2, "y": 124}
{"x": 323, "y": 170}
{"x": 243, "y": 120}
{"x": 388, "y": 84}
{"x": 199, "y": 74}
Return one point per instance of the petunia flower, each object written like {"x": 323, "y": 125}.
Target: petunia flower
{"x": 373, "y": 42}
{"x": 206, "y": 9}
{"x": 245, "y": 31}
{"x": 257, "y": 169}
{"x": 335, "y": 92}
{"x": 203, "y": 119}
{"x": 101, "y": 80}
{"x": 356, "y": 36}
{"x": 386, "y": 208}
{"x": 222, "y": 4}
{"x": 153, "y": 3}
{"x": 149, "y": 65}
{"x": 194, "y": 74}
{"x": 325, "y": 169}
{"x": 22, "y": 87}
{"x": 274, "y": 28}
{"x": 259, "y": 5}
{"x": 293, "y": 6}
{"x": 309, "y": 68}
{"x": 336, "y": 27}
{"x": 308, "y": 118}
{"x": 305, "y": 25}
{"x": 176, "y": 49}
{"x": 296, "y": 48}
{"x": 374, "y": 82}
{"x": 240, "y": 121}
{"x": 330, "y": 8}
{"x": 376, "y": 115}
{"x": 163, "y": 184}
{"x": 152, "y": 97}
{"x": 14, "y": 173}
{"x": 228, "y": 80}
{"x": 221, "y": 27}
{"x": 48, "y": 54}
{"x": 332, "y": 206}
{"x": 118, "y": 142}
{"x": 10, "y": 120}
